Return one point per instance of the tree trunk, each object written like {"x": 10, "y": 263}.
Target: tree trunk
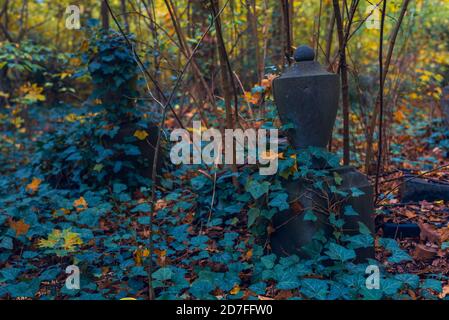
{"x": 330, "y": 37}
{"x": 124, "y": 14}
{"x": 275, "y": 42}
{"x": 372, "y": 126}
{"x": 253, "y": 49}
{"x": 104, "y": 15}
{"x": 344, "y": 81}
{"x": 286, "y": 19}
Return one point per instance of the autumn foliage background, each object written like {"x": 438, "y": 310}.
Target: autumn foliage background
{"x": 60, "y": 206}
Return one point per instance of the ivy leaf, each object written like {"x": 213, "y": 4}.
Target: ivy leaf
{"x": 119, "y": 187}
{"x": 163, "y": 274}
{"x": 314, "y": 288}
{"x": 50, "y": 274}
{"x": 363, "y": 229}
{"x": 337, "y": 178}
{"x": 235, "y": 208}
{"x": 340, "y": 253}
{"x": 198, "y": 182}
{"x": 287, "y": 281}
{"x": 280, "y": 201}
{"x": 258, "y": 288}
{"x": 360, "y": 241}
{"x": 24, "y": 289}
{"x": 144, "y": 220}
{"x": 309, "y": 215}
{"x": 398, "y": 256}
{"x": 432, "y": 284}
{"x": 257, "y": 189}
{"x": 409, "y": 279}
{"x": 10, "y": 273}
{"x": 143, "y": 207}
{"x": 391, "y": 286}
{"x": 371, "y": 294}
{"x": 268, "y": 261}
{"x": 6, "y": 243}
{"x": 200, "y": 288}
{"x": 356, "y": 192}
{"x": 349, "y": 211}
{"x": 253, "y": 214}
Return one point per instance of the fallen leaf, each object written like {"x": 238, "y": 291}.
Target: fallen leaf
{"x": 423, "y": 252}
{"x": 410, "y": 214}
{"x": 445, "y": 292}
{"x": 80, "y": 204}
{"x": 34, "y": 185}
{"x": 161, "y": 256}
{"x": 20, "y": 227}
{"x": 140, "y": 134}
{"x": 138, "y": 254}
{"x": 235, "y": 290}
{"x": 399, "y": 116}
{"x": 249, "y": 254}
{"x": 283, "y": 295}
{"x": 429, "y": 233}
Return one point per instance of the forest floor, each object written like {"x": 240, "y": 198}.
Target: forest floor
{"x": 110, "y": 236}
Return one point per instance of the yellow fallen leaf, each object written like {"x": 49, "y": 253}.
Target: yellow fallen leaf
{"x": 75, "y": 62}
{"x": 269, "y": 155}
{"x": 80, "y": 204}
{"x": 439, "y": 202}
{"x": 34, "y": 185}
{"x": 399, "y": 116}
{"x": 71, "y": 239}
{"x": 140, "y": 134}
{"x": 32, "y": 92}
{"x": 20, "y": 227}
{"x": 444, "y": 293}
{"x": 249, "y": 254}
{"x": 235, "y": 290}
{"x": 139, "y": 254}
{"x": 64, "y": 75}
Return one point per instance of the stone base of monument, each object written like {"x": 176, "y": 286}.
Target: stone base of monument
{"x": 141, "y": 164}
{"x": 292, "y": 232}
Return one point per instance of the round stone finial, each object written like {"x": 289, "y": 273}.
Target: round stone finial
{"x": 304, "y": 53}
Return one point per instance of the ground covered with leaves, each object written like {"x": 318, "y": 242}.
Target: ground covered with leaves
{"x": 59, "y": 205}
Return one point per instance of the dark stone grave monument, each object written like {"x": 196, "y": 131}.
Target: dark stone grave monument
{"x": 307, "y": 96}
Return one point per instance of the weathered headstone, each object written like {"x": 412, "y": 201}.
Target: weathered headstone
{"x": 307, "y": 96}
